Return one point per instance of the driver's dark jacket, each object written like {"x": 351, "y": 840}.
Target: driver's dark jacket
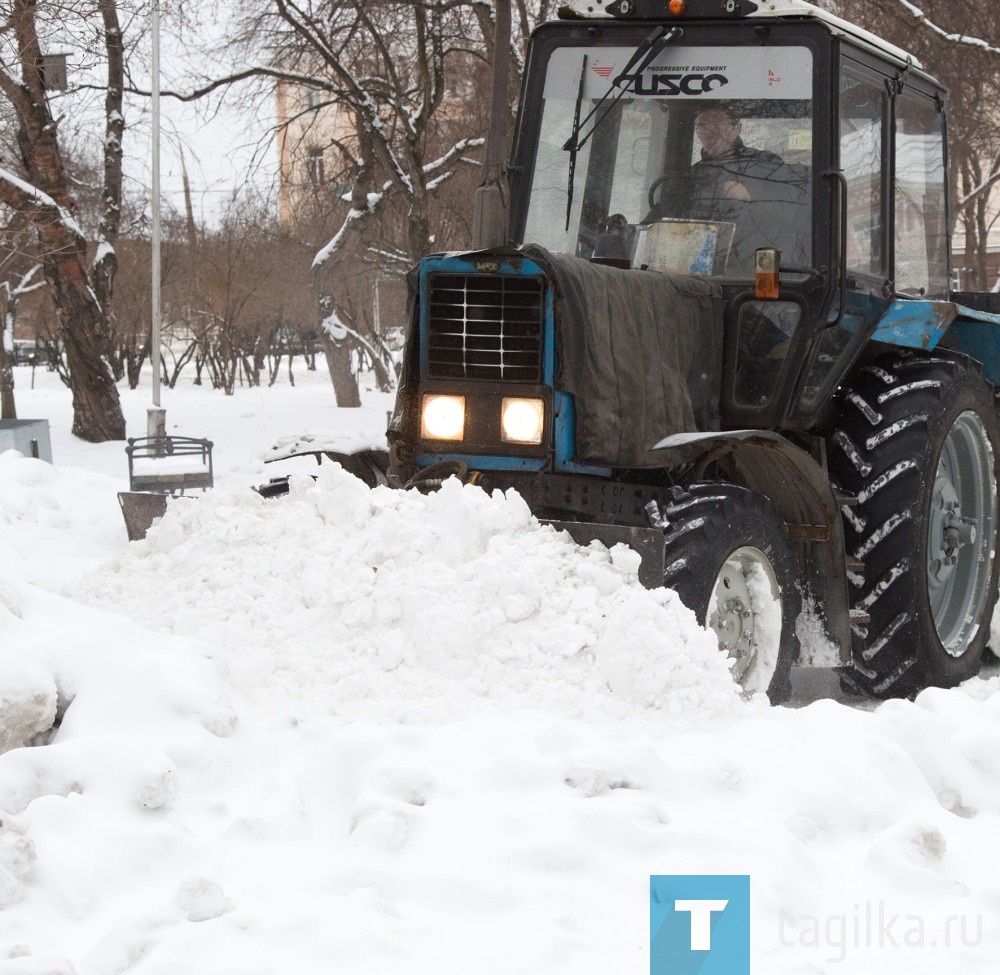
{"x": 775, "y": 216}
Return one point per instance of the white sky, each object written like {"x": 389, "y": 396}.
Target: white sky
{"x": 220, "y": 137}
{"x": 221, "y": 152}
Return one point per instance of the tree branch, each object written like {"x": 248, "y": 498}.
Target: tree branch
{"x": 921, "y": 18}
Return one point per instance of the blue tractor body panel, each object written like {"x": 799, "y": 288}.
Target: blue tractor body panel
{"x": 564, "y": 418}
{"x": 917, "y": 324}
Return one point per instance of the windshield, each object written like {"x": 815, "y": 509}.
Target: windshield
{"x": 705, "y": 159}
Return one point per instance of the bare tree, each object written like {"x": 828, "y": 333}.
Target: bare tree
{"x": 36, "y": 185}
{"x": 405, "y": 82}
{"x": 19, "y": 276}
{"x": 384, "y": 66}
{"x": 254, "y": 291}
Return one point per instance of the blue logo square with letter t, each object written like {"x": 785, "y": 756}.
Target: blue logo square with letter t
{"x": 699, "y": 925}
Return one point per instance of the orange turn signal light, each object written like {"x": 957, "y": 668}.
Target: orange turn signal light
{"x": 767, "y": 273}
{"x": 677, "y": 7}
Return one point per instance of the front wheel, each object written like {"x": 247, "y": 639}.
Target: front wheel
{"x": 918, "y": 445}
{"x": 729, "y": 560}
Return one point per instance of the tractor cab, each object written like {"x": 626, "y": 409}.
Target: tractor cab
{"x": 730, "y": 140}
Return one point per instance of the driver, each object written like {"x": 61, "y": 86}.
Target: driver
{"x": 736, "y": 183}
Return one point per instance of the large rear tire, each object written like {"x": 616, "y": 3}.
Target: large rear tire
{"x": 729, "y": 560}
{"x": 918, "y": 445}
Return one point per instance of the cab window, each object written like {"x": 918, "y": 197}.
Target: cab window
{"x": 921, "y": 246}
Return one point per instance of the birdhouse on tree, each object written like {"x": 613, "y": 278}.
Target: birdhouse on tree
{"x": 53, "y": 68}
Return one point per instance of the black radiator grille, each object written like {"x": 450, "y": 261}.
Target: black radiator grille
{"x": 485, "y": 326}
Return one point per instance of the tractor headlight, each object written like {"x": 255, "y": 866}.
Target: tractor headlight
{"x": 522, "y": 420}
{"x": 442, "y": 417}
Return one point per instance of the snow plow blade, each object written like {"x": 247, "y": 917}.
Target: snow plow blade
{"x": 368, "y": 464}
{"x": 646, "y": 542}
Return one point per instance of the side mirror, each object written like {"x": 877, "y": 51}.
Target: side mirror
{"x": 767, "y": 273}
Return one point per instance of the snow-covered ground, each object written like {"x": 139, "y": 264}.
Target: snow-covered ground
{"x": 364, "y": 731}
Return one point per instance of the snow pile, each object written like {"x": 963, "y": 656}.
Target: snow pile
{"x": 55, "y": 522}
{"x": 170, "y": 827}
{"x": 362, "y": 731}
{"x": 339, "y": 599}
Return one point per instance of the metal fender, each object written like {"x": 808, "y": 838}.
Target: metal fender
{"x": 917, "y": 324}
{"x": 799, "y": 488}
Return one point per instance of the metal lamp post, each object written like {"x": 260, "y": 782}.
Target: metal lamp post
{"x": 156, "y": 423}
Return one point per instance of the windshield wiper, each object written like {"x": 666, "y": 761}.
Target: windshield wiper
{"x": 646, "y": 51}
{"x": 641, "y": 58}
{"x": 573, "y": 151}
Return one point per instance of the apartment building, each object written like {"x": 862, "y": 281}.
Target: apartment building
{"x": 309, "y": 127}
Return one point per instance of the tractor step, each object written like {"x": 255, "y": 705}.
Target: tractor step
{"x": 845, "y": 497}
{"x": 854, "y": 564}
{"x": 860, "y": 618}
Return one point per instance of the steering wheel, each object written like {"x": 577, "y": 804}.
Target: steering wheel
{"x": 657, "y": 183}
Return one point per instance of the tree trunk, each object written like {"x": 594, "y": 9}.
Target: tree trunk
{"x": 8, "y": 411}
{"x": 982, "y": 234}
{"x": 133, "y": 365}
{"x": 338, "y": 361}
{"x": 46, "y": 201}
{"x": 97, "y": 412}
{"x": 337, "y": 350}
{"x": 106, "y": 259}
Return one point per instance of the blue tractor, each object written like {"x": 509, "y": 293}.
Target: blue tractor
{"x": 712, "y": 318}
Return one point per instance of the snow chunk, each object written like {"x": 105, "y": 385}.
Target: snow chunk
{"x": 202, "y": 899}
{"x": 767, "y": 630}
{"x": 28, "y": 699}
{"x": 157, "y": 787}
{"x": 17, "y": 855}
{"x": 818, "y": 650}
{"x": 9, "y": 601}
{"x": 24, "y": 963}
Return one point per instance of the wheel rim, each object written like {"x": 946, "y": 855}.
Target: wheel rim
{"x": 960, "y": 533}
{"x": 745, "y": 600}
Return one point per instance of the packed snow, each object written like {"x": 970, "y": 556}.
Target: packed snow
{"x": 355, "y": 730}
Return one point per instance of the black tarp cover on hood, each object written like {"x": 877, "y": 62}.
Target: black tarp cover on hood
{"x": 640, "y": 351}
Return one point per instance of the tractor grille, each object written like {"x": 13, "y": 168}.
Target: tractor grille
{"x": 486, "y": 326}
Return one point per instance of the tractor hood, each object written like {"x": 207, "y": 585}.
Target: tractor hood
{"x": 640, "y": 351}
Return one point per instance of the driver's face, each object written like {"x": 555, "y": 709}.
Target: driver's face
{"x": 716, "y": 131}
